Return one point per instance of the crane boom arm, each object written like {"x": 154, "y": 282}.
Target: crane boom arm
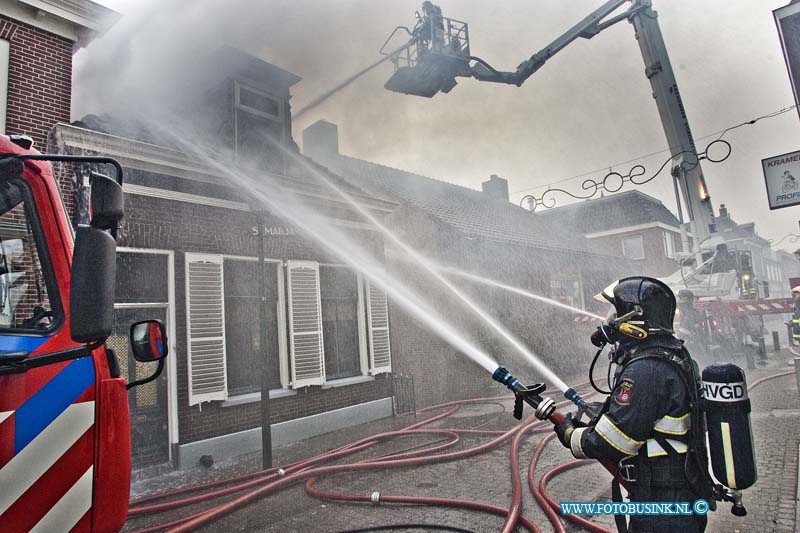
{"x": 686, "y": 170}
{"x": 686, "y": 163}
{"x": 586, "y": 28}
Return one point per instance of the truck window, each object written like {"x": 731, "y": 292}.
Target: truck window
{"x": 24, "y": 295}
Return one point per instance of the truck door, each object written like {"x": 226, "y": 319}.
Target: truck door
{"x": 47, "y": 404}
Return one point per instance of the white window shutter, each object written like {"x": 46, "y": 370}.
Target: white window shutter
{"x": 305, "y": 324}
{"x": 380, "y": 353}
{"x": 205, "y": 321}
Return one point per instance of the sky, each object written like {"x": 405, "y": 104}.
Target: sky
{"x": 588, "y": 109}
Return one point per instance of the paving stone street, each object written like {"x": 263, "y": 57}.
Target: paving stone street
{"x": 771, "y": 504}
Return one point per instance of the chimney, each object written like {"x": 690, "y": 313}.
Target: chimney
{"x": 321, "y": 140}
{"x": 723, "y": 211}
{"x": 496, "y": 187}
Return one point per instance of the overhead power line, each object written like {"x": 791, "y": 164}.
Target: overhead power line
{"x": 721, "y": 134}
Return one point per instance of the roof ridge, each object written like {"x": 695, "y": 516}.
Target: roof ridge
{"x": 437, "y": 180}
{"x": 607, "y": 198}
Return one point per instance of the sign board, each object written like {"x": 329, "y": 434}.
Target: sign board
{"x": 782, "y": 176}
{"x": 787, "y": 19}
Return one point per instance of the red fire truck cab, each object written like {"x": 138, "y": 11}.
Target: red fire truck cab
{"x": 65, "y": 448}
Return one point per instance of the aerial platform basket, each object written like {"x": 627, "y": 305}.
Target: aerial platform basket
{"x": 437, "y": 53}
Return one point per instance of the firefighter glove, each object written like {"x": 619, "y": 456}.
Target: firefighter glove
{"x": 564, "y": 430}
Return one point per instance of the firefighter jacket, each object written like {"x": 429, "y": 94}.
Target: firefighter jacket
{"x": 796, "y": 321}
{"x": 648, "y": 412}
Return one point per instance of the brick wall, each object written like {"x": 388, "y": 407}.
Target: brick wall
{"x": 39, "y": 80}
{"x": 39, "y": 88}
{"x": 655, "y": 262}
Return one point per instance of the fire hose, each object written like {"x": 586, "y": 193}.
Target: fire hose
{"x": 306, "y": 470}
{"x": 350, "y": 448}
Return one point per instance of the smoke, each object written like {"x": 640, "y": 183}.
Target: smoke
{"x": 589, "y": 107}
{"x": 160, "y": 47}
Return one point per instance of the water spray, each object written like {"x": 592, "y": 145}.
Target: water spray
{"x": 427, "y": 265}
{"x": 327, "y": 94}
{"x": 521, "y": 292}
{"x": 292, "y": 209}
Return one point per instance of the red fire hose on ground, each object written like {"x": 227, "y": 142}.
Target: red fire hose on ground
{"x": 309, "y": 470}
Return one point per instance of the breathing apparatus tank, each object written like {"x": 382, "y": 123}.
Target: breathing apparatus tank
{"x": 730, "y": 438}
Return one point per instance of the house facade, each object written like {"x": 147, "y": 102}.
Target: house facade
{"x": 188, "y": 255}
{"x": 630, "y": 224}
{"x": 769, "y": 269}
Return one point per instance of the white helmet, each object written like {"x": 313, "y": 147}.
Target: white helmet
{"x": 796, "y": 289}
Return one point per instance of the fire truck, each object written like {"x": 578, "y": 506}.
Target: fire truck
{"x": 720, "y": 279}
{"x": 65, "y": 443}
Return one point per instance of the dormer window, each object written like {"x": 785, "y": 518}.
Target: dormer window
{"x": 254, "y": 101}
{"x": 260, "y": 128}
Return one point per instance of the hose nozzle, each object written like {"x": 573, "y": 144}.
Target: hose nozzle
{"x": 571, "y": 395}
{"x": 530, "y": 395}
{"x": 502, "y": 375}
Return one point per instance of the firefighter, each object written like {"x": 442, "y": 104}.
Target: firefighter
{"x": 432, "y": 29}
{"x": 690, "y": 321}
{"x": 796, "y": 316}
{"x": 646, "y": 424}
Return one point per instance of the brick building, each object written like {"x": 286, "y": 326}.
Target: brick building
{"x": 630, "y": 224}
{"x": 37, "y": 41}
{"x": 187, "y": 255}
{"x": 768, "y": 267}
{"x": 482, "y": 234}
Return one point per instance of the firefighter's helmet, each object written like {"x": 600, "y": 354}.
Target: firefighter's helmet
{"x": 649, "y": 303}
{"x": 796, "y": 289}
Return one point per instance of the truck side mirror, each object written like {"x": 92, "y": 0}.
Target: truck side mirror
{"x": 107, "y": 203}
{"x": 149, "y": 341}
{"x": 91, "y": 293}
{"x": 149, "y": 344}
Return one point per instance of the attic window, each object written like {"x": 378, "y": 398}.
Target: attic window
{"x": 633, "y": 247}
{"x": 259, "y": 128}
{"x": 257, "y": 102}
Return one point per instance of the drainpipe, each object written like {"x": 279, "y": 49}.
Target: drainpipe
{"x": 266, "y": 430}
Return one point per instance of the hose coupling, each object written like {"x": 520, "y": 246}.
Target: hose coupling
{"x": 375, "y": 498}
{"x": 281, "y": 472}
{"x": 545, "y": 409}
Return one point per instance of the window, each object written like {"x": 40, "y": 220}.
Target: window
{"x": 205, "y": 324}
{"x": 338, "y": 327}
{"x": 244, "y": 352}
{"x": 669, "y": 244}
{"x": 26, "y": 288}
{"x": 632, "y": 247}
{"x": 140, "y": 278}
{"x": 259, "y": 128}
{"x": 339, "y": 295}
{"x": 567, "y": 291}
{"x": 4, "y": 56}
{"x": 258, "y": 103}
{"x": 380, "y": 350}
{"x": 305, "y": 324}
